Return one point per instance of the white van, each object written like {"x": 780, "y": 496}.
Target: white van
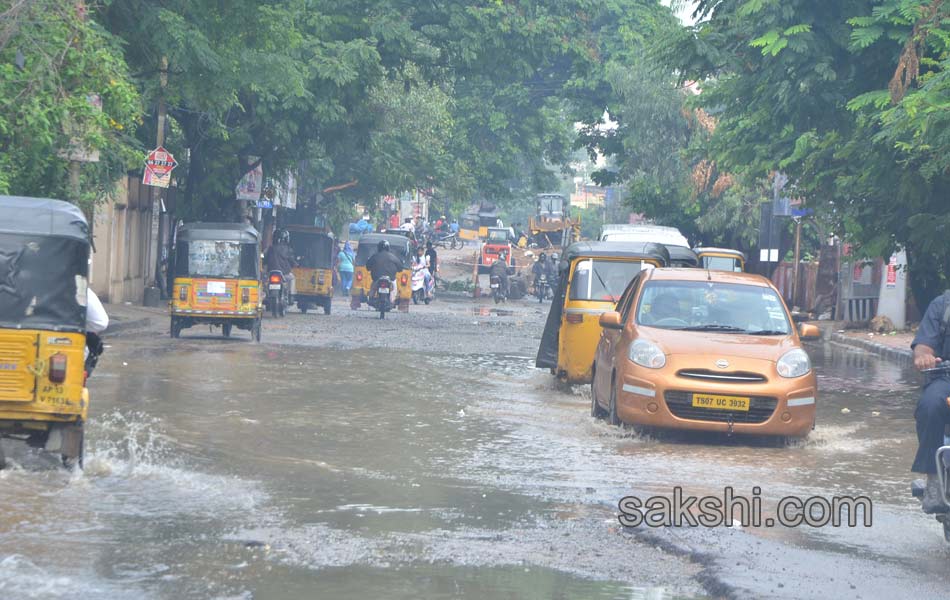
{"x": 658, "y": 234}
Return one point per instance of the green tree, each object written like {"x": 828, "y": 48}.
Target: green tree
{"x": 56, "y": 66}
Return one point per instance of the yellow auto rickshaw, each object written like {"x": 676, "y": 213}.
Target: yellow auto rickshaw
{"x": 592, "y": 276}
{"x": 399, "y": 245}
{"x": 44, "y": 266}
{"x": 217, "y": 278}
{"x": 721, "y": 259}
{"x": 316, "y": 253}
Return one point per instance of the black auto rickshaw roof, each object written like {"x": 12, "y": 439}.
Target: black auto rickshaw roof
{"x": 42, "y": 216}
{"x": 392, "y": 238}
{"x": 644, "y": 250}
{"x": 219, "y": 232}
{"x": 682, "y": 255}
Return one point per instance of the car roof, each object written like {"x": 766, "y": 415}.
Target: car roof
{"x": 668, "y": 274}
{"x": 42, "y": 216}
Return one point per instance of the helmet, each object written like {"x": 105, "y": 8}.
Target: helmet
{"x": 383, "y": 245}
{"x": 283, "y": 236}
{"x": 542, "y": 256}
{"x": 554, "y": 257}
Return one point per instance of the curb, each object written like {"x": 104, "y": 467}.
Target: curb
{"x": 899, "y": 355}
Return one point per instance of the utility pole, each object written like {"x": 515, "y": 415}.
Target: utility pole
{"x": 798, "y": 244}
{"x": 153, "y": 261}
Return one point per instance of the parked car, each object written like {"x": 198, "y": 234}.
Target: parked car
{"x": 704, "y": 350}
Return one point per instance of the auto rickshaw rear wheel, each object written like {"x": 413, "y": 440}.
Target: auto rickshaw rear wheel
{"x": 3, "y": 458}
{"x": 77, "y": 461}
{"x": 326, "y": 306}
{"x": 256, "y": 330}
{"x": 303, "y": 306}
{"x": 175, "y": 327}
{"x": 226, "y": 329}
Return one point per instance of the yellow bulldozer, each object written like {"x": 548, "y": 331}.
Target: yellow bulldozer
{"x": 553, "y": 226}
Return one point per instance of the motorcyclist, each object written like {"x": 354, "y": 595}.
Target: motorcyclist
{"x": 539, "y": 268}
{"x": 383, "y": 264}
{"x": 280, "y": 257}
{"x": 552, "y": 270}
{"x": 931, "y": 348}
{"x": 499, "y": 269}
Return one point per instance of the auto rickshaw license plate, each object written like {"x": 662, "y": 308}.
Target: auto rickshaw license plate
{"x": 716, "y": 402}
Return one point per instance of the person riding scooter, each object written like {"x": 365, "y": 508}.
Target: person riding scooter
{"x": 499, "y": 269}
{"x": 383, "y": 264}
{"x": 280, "y": 257}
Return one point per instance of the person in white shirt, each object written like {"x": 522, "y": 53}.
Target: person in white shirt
{"x": 96, "y": 318}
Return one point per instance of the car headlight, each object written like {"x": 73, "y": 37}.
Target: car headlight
{"x": 794, "y": 363}
{"x": 647, "y": 354}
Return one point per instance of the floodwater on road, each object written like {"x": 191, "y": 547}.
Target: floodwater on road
{"x": 225, "y": 469}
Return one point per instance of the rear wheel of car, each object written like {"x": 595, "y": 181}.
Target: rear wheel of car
{"x": 612, "y": 415}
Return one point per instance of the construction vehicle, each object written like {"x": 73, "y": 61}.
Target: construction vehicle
{"x": 553, "y": 225}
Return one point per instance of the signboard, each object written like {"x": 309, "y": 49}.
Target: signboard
{"x": 891, "y": 281}
{"x": 159, "y": 165}
{"x": 251, "y": 185}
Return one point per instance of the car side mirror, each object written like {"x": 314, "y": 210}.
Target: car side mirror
{"x": 807, "y": 331}
{"x": 611, "y": 320}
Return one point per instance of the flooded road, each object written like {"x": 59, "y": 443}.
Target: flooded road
{"x": 424, "y": 457}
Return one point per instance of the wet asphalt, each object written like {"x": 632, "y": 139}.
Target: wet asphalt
{"x": 424, "y": 457}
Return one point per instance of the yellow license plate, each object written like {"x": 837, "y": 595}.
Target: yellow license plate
{"x": 721, "y": 402}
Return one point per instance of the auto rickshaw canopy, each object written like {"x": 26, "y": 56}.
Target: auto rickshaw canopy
{"x": 398, "y": 245}
{"x": 44, "y": 264}
{"x": 219, "y": 250}
{"x": 726, "y": 253}
{"x": 643, "y": 250}
{"x": 681, "y": 256}
{"x": 314, "y": 247}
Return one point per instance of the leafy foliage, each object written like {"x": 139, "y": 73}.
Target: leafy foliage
{"x": 53, "y": 61}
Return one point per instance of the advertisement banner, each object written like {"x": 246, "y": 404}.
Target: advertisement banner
{"x": 252, "y": 183}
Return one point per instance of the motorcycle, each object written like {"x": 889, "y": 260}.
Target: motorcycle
{"x": 423, "y": 285}
{"x": 383, "y": 301}
{"x": 541, "y": 287}
{"x": 448, "y": 240}
{"x": 278, "y": 294}
{"x": 943, "y": 466}
{"x": 497, "y": 290}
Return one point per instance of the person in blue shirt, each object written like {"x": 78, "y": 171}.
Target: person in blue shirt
{"x": 344, "y": 262}
{"x": 454, "y": 227}
{"x": 932, "y": 348}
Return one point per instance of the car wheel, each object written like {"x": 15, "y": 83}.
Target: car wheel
{"x": 596, "y": 410}
{"x": 612, "y": 415}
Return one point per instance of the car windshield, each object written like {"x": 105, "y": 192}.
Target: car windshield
{"x": 711, "y": 306}
{"x": 602, "y": 280}
{"x": 495, "y": 235}
{"x": 721, "y": 263}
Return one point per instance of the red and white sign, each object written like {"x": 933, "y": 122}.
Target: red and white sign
{"x": 892, "y": 272}
{"x": 158, "y": 168}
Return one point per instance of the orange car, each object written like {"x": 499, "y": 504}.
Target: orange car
{"x": 704, "y": 350}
